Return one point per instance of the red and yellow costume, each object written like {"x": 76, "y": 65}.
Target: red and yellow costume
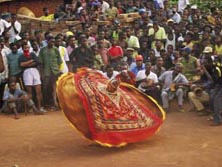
{"x": 108, "y": 118}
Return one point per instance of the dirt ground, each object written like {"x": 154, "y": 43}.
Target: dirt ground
{"x": 185, "y": 140}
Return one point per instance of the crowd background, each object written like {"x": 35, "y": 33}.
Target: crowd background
{"x": 169, "y": 50}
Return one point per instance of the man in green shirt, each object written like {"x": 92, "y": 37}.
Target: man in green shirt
{"x": 50, "y": 60}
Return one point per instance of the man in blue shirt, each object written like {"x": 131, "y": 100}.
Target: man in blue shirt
{"x": 14, "y": 97}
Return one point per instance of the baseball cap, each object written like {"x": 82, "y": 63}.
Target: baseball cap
{"x": 170, "y": 20}
{"x": 186, "y": 49}
{"x": 208, "y": 49}
{"x": 139, "y": 58}
{"x": 129, "y": 49}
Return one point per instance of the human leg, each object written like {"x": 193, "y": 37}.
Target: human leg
{"x": 217, "y": 105}
{"x": 165, "y": 100}
{"x": 179, "y": 94}
{"x": 12, "y": 107}
{"x": 196, "y": 101}
{"x": 38, "y": 91}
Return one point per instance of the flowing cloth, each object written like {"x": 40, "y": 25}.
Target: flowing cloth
{"x": 111, "y": 119}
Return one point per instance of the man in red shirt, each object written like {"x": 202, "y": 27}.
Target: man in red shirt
{"x": 115, "y": 53}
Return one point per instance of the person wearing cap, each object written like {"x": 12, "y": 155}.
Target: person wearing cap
{"x": 138, "y": 65}
{"x": 191, "y": 64}
{"x": 128, "y": 56}
{"x": 172, "y": 82}
{"x": 198, "y": 97}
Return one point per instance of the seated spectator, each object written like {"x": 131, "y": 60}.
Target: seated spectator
{"x": 112, "y": 11}
{"x": 198, "y": 97}
{"x": 172, "y": 85}
{"x": 138, "y": 65}
{"x": 191, "y": 64}
{"x": 125, "y": 75}
{"x": 98, "y": 62}
{"x": 14, "y": 97}
{"x": 110, "y": 73}
{"x": 47, "y": 16}
{"x": 147, "y": 81}
{"x": 128, "y": 56}
{"x": 158, "y": 68}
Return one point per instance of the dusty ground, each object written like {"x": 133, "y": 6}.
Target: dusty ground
{"x": 185, "y": 140}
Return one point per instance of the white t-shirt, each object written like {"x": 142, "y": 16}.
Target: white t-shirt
{"x": 104, "y": 6}
{"x": 12, "y": 33}
{"x": 182, "y": 4}
{"x": 115, "y": 73}
{"x": 65, "y": 57}
{"x": 142, "y": 75}
{"x": 4, "y": 24}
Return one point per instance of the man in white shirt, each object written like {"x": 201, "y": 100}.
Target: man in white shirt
{"x": 104, "y": 6}
{"x": 4, "y": 25}
{"x": 15, "y": 29}
{"x": 64, "y": 55}
{"x": 176, "y": 16}
{"x": 182, "y": 4}
{"x": 110, "y": 73}
{"x": 3, "y": 75}
{"x": 147, "y": 81}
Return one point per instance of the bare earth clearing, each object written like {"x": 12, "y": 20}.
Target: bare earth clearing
{"x": 185, "y": 140}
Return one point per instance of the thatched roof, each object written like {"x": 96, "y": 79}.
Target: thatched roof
{"x": 4, "y": 1}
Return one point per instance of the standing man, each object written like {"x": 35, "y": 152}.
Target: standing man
{"x": 157, "y": 33}
{"x": 82, "y": 56}
{"x": 3, "y": 73}
{"x": 13, "y": 64}
{"x": 132, "y": 41}
{"x": 4, "y": 26}
{"x": 50, "y": 61}
{"x": 15, "y": 29}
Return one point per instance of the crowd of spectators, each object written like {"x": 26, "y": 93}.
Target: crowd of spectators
{"x": 170, "y": 50}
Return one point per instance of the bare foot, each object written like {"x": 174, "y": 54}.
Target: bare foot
{"x": 16, "y": 117}
{"x": 39, "y": 113}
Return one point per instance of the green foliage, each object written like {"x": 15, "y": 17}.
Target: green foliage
{"x": 205, "y": 5}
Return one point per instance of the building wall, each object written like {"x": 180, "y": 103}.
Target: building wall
{"x": 34, "y": 5}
